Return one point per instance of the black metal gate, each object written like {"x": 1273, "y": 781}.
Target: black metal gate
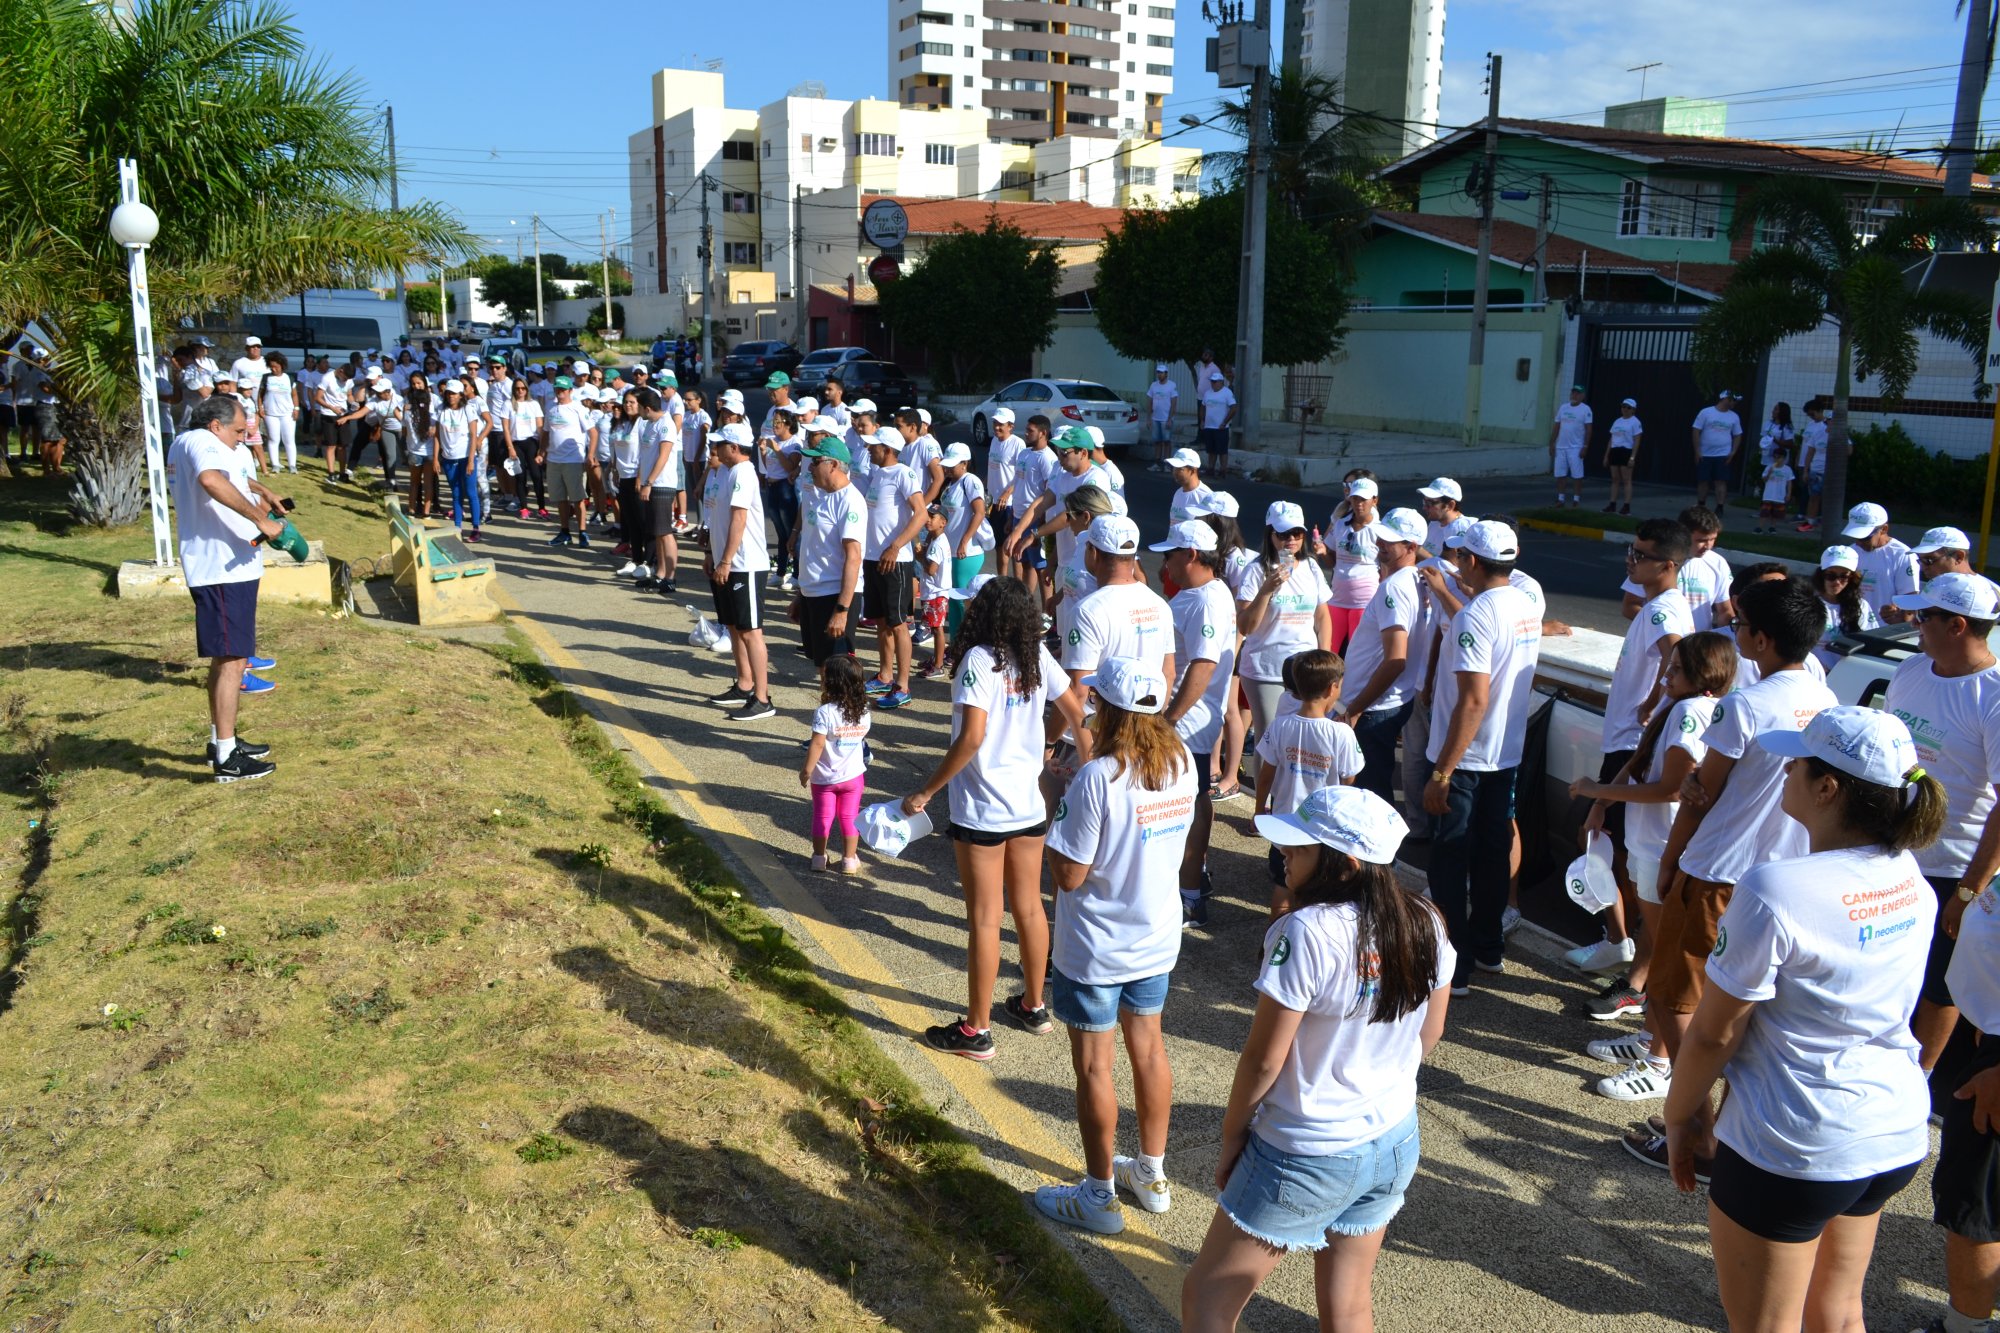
{"x": 1653, "y": 364}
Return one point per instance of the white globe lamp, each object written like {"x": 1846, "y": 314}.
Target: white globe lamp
{"x": 133, "y": 224}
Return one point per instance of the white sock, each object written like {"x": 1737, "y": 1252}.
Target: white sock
{"x": 211, "y": 735}
{"x": 1153, "y": 1168}
{"x": 1099, "y": 1190}
{"x": 224, "y": 747}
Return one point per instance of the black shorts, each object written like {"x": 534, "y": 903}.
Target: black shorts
{"x": 737, "y": 604}
{"x": 1614, "y": 817}
{"x": 1939, "y": 960}
{"x": 1793, "y": 1212}
{"x": 48, "y": 423}
{"x": 886, "y": 598}
{"x": 1618, "y": 458}
{"x": 660, "y": 510}
{"x": 225, "y": 619}
{"x": 1214, "y": 439}
{"x": 496, "y": 448}
{"x": 979, "y": 837}
{"x": 814, "y": 613}
{"x": 1965, "y": 1183}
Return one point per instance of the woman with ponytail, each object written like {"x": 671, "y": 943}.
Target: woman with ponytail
{"x": 1817, "y": 965}
{"x": 1319, "y": 1140}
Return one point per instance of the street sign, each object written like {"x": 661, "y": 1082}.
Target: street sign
{"x": 885, "y": 224}
{"x": 883, "y": 269}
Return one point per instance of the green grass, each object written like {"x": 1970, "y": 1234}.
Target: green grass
{"x": 324, "y": 1115}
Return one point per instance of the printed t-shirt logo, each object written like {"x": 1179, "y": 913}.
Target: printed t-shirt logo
{"x": 969, "y": 679}
{"x": 1688, "y": 723}
{"x": 1721, "y": 941}
{"x": 1465, "y": 639}
{"x": 1281, "y": 951}
{"x": 1062, "y": 811}
{"x": 1075, "y": 637}
{"x": 1659, "y": 617}
{"x": 1208, "y": 631}
{"x": 1719, "y": 709}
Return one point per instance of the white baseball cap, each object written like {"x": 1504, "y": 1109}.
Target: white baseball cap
{"x": 225, "y": 376}
{"x": 1840, "y": 557}
{"x": 1187, "y": 535}
{"x": 861, "y": 405}
{"x": 1491, "y": 541}
{"x": 736, "y": 433}
{"x": 1363, "y": 488}
{"x": 1628, "y": 402}
{"x": 1868, "y": 743}
{"x": 1185, "y": 458}
{"x": 1215, "y": 377}
{"x": 887, "y": 438}
{"x": 1160, "y": 369}
{"x": 1113, "y": 534}
{"x": 1347, "y": 819}
{"x": 823, "y": 426}
{"x": 1129, "y": 683}
{"x": 383, "y": 386}
{"x": 1942, "y": 539}
{"x": 1864, "y": 518}
{"x": 924, "y": 415}
{"x": 1454, "y": 531}
{"x": 1284, "y": 516}
{"x": 955, "y": 454}
{"x": 732, "y": 396}
{"x": 252, "y": 340}
{"x": 970, "y": 590}
{"x": 1444, "y": 488}
{"x": 372, "y": 372}
{"x": 1003, "y": 416}
{"x": 1965, "y": 595}
{"x": 1222, "y": 504}
{"x": 805, "y": 404}
{"x": 575, "y": 367}
{"x": 1400, "y": 525}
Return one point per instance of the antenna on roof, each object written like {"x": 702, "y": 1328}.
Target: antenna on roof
{"x": 1640, "y": 70}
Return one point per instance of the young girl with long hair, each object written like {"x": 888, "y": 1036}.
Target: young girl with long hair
{"x": 1219, "y": 512}
{"x": 1838, "y": 583}
{"x": 836, "y": 764}
{"x": 523, "y": 424}
{"x": 422, "y": 405}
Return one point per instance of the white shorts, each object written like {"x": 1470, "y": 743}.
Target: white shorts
{"x": 1645, "y": 873}
{"x": 1569, "y": 462}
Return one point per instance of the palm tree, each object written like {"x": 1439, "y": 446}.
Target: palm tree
{"x": 1319, "y": 163}
{"x": 1821, "y": 273}
{"x": 1975, "y": 67}
{"x": 262, "y": 164}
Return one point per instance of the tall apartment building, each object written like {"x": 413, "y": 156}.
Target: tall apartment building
{"x": 1036, "y": 69}
{"x": 1389, "y": 58}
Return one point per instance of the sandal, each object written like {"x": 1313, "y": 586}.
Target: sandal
{"x": 1217, "y": 793}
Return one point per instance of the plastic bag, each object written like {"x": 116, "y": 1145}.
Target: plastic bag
{"x": 886, "y": 830}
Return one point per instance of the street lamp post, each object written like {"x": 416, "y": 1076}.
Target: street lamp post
{"x": 134, "y": 225}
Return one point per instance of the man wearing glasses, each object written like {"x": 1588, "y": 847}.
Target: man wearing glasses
{"x": 224, "y": 512}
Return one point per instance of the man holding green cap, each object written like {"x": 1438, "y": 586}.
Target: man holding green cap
{"x": 569, "y": 440}
{"x": 831, "y": 527}
{"x": 1074, "y": 470}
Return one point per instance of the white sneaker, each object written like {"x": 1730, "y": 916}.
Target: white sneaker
{"x": 627, "y": 569}
{"x": 1509, "y": 918}
{"x": 1073, "y": 1205}
{"x": 786, "y": 583}
{"x": 1621, "y": 1050}
{"x": 644, "y": 572}
{"x": 1643, "y": 1081}
{"x": 1154, "y": 1195}
{"x": 1603, "y": 956}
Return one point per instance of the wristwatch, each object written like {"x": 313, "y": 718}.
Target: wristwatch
{"x": 840, "y": 607}
{"x": 1966, "y": 893}
{"x": 1439, "y": 775}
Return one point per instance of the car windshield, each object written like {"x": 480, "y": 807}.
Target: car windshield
{"x": 1079, "y": 391}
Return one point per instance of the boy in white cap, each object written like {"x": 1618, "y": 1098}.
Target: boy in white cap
{"x": 1190, "y": 493}
{"x": 1889, "y": 568}
{"x": 1003, "y": 453}
{"x": 734, "y": 563}
{"x": 1441, "y": 501}
{"x": 963, "y": 501}
{"x": 1218, "y": 411}
{"x": 1123, "y": 617}
{"x": 896, "y": 512}
{"x": 1569, "y": 438}
{"x": 1204, "y": 618}
{"x": 1161, "y": 395}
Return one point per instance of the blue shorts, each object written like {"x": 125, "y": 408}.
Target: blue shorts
{"x": 1096, "y": 1008}
{"x": 1032, "y": 555}
{"x": 1712, "y": 469}
{"x": 225, "y": 619}
{"x": 1295, "y": 1202}
{"x": 1815, "y": 483}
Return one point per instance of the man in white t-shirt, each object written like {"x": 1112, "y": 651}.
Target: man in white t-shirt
{"x": 1440, "y": 504}
{"x": 1888, "y": 567}
{"x": 1204, "y": 617}
{"x": 896, "y": 514}
{"x": 1717, "y": 435}
{"x": 1481, "y": 698}
{"x": 832, "y": 527}
{"x": 1389, "y": 651}
{"x": 223, "y": 513}
{"x": 735, "y": 558}
{"x": 1950, "y": 699}
{"x": 1122, "y": 618}
{"x": 1813, "y": 451}
{"x": 1046, "y": 517}
{"x": 1161, "y": 395}
{"x": 1003, "y": 454}
{"x": 1569, "y": 437}
{"x": 1218, "y": 411}
{"x": 250, "y": 367}
{"x": 1033, "y": 467}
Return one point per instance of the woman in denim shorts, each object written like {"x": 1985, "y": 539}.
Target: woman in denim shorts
{"x": 1319, "y": 1140}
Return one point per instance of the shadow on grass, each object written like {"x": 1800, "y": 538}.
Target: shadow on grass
{"x": 106, "y": 567}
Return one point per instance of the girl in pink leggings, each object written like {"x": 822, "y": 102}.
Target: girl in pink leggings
{"x": 836, "y": 763}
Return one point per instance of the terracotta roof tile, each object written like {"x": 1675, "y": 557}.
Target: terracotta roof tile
{"x": 1039, "y": 221}
{"x": 1514, "y": 244}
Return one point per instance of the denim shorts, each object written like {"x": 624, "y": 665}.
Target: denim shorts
{"x": 1095, "y": 1008}
{"x": 1295, "y": 1203}
{"x": 1712, "y": 469}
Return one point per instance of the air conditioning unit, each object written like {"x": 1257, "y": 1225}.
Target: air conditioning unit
{"x": 828, "y": 144}
{"x": 899, "y": 150}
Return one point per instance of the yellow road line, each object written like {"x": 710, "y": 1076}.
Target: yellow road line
{"x": 1148, "y": 1257}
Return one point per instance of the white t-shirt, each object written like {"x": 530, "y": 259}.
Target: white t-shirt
{"x": 1748, "y": 674}
{"x": 1778, "y": 484}
{"x": 499, "y": 395}
{"x": 1625, "y": 431}
{"x": 1746, "y": 825}
{"x": 455, "y": 430}
{"x": 1826, "y": 1084}
{"x": 1499, "y": 634}
{"x": 829, "y": 522}
{"x": 1305, "y": 754}
{"x": 1573, "y": 422}
{"x": 1215, "y": 407}
{"x": 248, "y": 370}
{"x": 569, "y": 431}
{"x": 215, "y": 541}
{"x": 1162, "y": 397}
{"x": 999, "y": 790}
{"x": 1719, "y": 431}
{"x": 1123, "y": 923}
{"x": 1972, "y": 978}
{"x": 889, "y": 490}
{"x": 526, "y": 418}
{"x": 1647, "y": 823}
{"x": 1347, "y": 1080}
{"x": 277, "y": 395}
{"x": 956, "y": 500}
{"x": 1060, "y": 486}
{"x": 933, "y": 566}
{"x": 1287, "y": 626}
{"x": 1119, "y": 620}
{"x": 331, "y": 396}
{"x": 1955, "y": 721}
{"x": 1704, "y": 580}
{"x": 624, "y": 438}
{"x": 1032, "y": 470}
{"x": 655, "y": 436}
{"x": 1640, "y": 665}
{"x": 1354, "y": 573}
{"x": 1205, "y": 631}
{"x": 1774, "y": 435}
{"x": 1888, "y": 572}
{"x": 845, "y": 754}
{"x": 920, "y": 453}
{"x": 1812, "y": 440}
{"x": 694, "y": 436}
{"x": 737, "y": 488}
{"x": 1184, "y": 500}
{"x": 1398, "y": 603}
{"x": 1001, "y": 456}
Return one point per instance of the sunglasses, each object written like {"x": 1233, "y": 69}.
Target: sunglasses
{"x": 1633, "y": 555}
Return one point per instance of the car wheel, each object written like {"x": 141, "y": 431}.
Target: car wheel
{"x": 979, "y": 431}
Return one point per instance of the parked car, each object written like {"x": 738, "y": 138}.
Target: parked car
{"x": 752, "y": 362}
{"x": 1064, "y": 403}
{"x": 882, "y": 382}
{"x": 824, "y": 361}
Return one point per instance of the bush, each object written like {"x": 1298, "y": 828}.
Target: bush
{"x": 1889, "y": 467}
{"x": 595, "y": 323}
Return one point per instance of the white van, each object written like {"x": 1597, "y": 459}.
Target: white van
{"x": 323, "y": 322}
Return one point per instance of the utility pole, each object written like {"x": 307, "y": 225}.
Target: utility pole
{"x": 799, "y": 264}
{"x": 1248, "y": 426}
{"x": 1542, "y": 244}
{"x": 538, "y": 270}
{"x": 1475, "y": 365}
{"x": 389, "y": 119}
{"x": 604, "y": 264}
{"x": 707, "y": 281}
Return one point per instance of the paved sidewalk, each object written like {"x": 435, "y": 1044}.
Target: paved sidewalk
{"x": 1525, "y": 1216}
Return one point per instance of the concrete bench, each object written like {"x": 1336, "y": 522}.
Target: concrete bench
{"x": 451, "y": 585}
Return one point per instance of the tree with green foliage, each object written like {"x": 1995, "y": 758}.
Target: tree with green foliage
{"x": 424, "y": 301}
{"x": 977, "y": 300}
{"x": 263, "y": 167}
{"x": 512, "y": 286}
{"x": 1822, "y": 273}
{"x": 1167, "y": 283}
{"x": 1320, "y": 164}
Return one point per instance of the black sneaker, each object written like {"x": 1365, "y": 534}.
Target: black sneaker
{"x": 753, "y": 710}
{"x": 242, "y": 747}
{"x": 647, "y": 585}
{"x": 560, "y": 539}
{"x": 1618, "y": 1001}
{"x": 240, "y": 767}
{"x": 732, "y": 696}
{"x": 583, "y": 539}
{"x": 1036, "y": 1021}
{"x": 667, "y": 588}
{"x": 955, "y": 1038}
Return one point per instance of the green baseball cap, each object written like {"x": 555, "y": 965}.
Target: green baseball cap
{"x": 1074, "y": 438}
{"x": 666, "y": 377}
{"x": 565, "y": 382}
{"x": 779, "y": 380}
{"x": 830, "y": 447}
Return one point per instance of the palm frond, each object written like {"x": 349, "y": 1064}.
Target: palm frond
{"x": 1810, "y": 213}
{"x": 1878, "y": 316}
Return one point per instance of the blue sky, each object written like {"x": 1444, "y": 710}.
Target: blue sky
{"x": 493, "y": 126}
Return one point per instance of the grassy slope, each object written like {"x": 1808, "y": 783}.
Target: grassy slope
{"x": 541, "y": 1068}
